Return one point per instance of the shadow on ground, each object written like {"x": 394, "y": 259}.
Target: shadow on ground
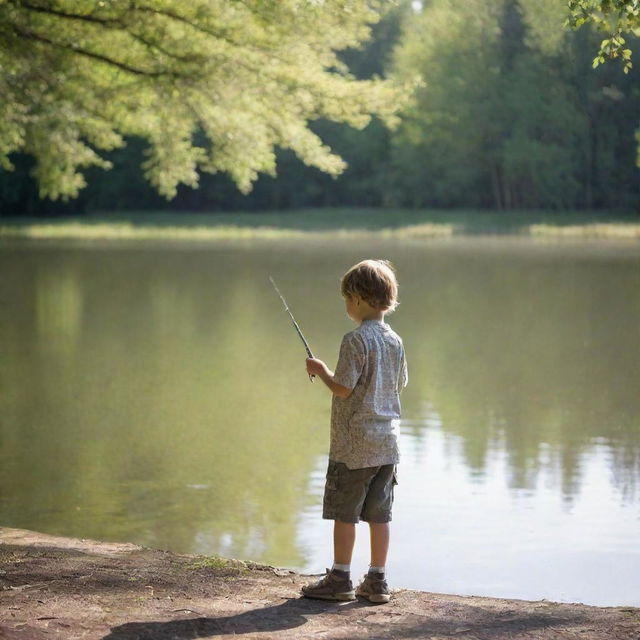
{"x": 290, "y": 614}
{"x": 296, "y": 612}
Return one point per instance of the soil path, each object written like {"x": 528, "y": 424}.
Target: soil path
{"x": 52, "y": 587}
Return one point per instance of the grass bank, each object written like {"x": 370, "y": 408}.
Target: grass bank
{"x": 408, "y": 223}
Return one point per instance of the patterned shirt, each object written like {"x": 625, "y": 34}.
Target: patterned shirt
{"x": 364, "y": 426}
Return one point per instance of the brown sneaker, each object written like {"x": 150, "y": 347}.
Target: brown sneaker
{"x": 374, "y": 588}
{"x": 336, "y": 585}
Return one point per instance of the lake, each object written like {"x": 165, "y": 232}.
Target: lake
{"x": 155, "y": 392}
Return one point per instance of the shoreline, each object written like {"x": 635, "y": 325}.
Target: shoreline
{"x": 113, "y": 232}
{"x": 78, "y": 588}
{"x": 326, "y": 224}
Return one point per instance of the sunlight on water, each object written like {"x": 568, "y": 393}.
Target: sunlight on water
{"x": 458, "y": 532}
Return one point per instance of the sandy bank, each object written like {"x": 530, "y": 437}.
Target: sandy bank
{"x": 69, "y": 588}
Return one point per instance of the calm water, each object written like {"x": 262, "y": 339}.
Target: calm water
{"x": 156, "y": 393}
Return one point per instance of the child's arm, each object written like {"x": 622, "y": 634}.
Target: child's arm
{"x": 404, "y": 373}
{"x": 320, "y": 369}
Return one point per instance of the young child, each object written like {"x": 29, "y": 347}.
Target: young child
{"x": 365, "y": 412}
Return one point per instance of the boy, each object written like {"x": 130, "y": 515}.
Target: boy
{"x": 365, "y": 411}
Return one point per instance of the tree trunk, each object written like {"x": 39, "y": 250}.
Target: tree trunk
{"x": 589, "y": 162}
{"x": 507, "y": 196}
{"x": 495, "y": 187}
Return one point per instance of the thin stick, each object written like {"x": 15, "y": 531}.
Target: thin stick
{"x": 295, "y": 324}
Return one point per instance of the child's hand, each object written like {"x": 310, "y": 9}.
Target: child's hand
{"x": 315, "y": 367}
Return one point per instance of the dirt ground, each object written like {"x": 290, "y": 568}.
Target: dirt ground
{"x": 52, "y": 587}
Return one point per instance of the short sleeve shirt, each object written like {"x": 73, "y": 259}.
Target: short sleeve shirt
{"x": 364, "y": 426}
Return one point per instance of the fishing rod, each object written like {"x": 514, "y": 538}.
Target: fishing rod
{"x": 295, "y": 324}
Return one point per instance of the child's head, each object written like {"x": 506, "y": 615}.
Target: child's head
{"x": 373, "y": 281}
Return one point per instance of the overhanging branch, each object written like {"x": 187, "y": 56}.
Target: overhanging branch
{"x": 32, "y": 35}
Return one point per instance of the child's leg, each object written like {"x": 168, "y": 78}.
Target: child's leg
{"x": 344, "y": 538}
{"x": 374, "y": 586}
{"x": 377, "y": 512}
{"x": 337, "y": 585}
{"x": 379, "y": 532}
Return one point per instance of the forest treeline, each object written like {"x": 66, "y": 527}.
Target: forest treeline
{"x": 509, "y": 113}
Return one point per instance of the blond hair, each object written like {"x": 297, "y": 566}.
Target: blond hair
{"x": 374, "y": 281}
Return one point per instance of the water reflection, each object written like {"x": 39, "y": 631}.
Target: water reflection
{"x": 58, "y": 310}
{"x": 539, "y": 349}
{"x": 157, "y": 394}
{"x": 457, "y": 532}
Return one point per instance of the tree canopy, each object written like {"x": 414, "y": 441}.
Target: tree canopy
{"x": 211, "y": 85}
{"x": 511, "y": 115}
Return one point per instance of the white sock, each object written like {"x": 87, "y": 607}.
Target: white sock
{"x": 341, "y": 567}
{"x": 373, "y": 569}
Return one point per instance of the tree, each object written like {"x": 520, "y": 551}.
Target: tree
{"x": 494, "y": 124}
{"x": 78, "y": 78}
{"x": 616, "y": 17}
{"x": 508, "y": 116}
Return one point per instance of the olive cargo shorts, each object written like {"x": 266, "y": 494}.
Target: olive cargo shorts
{"x": 354, "y": 494}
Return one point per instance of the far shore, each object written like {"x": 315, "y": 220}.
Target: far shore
{"x": 327, "y": 224}
{"x": 53, "y": 586}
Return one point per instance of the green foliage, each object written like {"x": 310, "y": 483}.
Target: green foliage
{"x": 507, "y": 115}
{"x": 78, "y": 78}
{"x": 616, "y": 17}
{"x": 545, "y": 20}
